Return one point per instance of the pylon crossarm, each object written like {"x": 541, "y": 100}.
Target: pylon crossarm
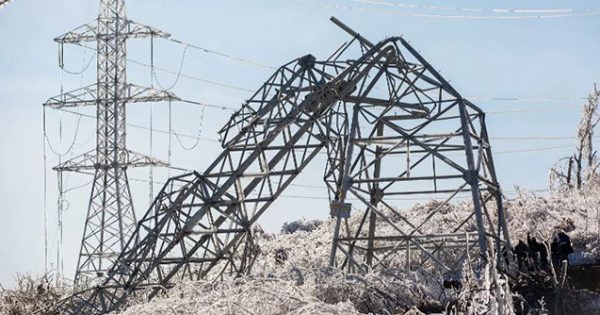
{"x": 88, "y": 96}
{"x": 88, "y": 161}
{"x": 89, "y": 32}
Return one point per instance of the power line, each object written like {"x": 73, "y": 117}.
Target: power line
{"x": 221, "y": 54}
{"x": 499, "y": 16}
{"x": 525, "y": 99}
{"x": 183, "y": 135}
{"x": 534, "y": 149}
{"x": 531, "y": 110}
{"x": 187, "y": 76}
{"x": 467, "y": 9}
{"x": 190, "y": 148}
{"x": 142, "y": 127}
{"x": 153, "y": 69}
{"x": 179, "y": 74}
{"x": 182, "y": 75}
{"x": 75, "y": 135}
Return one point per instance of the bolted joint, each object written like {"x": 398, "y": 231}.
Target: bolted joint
{"x": 376, "y": 195}
{"x": 307, "y": 62}
{"x": 471, "y": 177}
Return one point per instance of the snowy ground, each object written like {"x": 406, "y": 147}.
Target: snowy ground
{"x": 302, "y": 285}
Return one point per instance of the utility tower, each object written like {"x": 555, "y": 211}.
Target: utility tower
{"x": 391, "y": 126}
{"x": 110, "y": 218}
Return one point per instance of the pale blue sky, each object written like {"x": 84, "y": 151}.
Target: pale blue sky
{"x": 552, "y": 58}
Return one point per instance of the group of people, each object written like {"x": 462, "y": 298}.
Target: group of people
{"x": 533, "y": 255}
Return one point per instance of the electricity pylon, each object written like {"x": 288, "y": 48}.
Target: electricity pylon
{"x": 110, "y": 219}
{"x": 200, "y": 224}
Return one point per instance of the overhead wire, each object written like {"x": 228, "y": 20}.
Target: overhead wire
{"x": 531, "y": 110}
{"x": 187, "y": 76}
{"x": 190, "y": 148}
{"x": 526, "y": 99}
{"x": 183, "y": 135}
{"x": 140, "y": 126}
{"x": 537, "y": 149}
{"x": 465, "y": 9}
{"x": 178, "y": 74}
{"x": 183, "y": 75}
{"x": 497, "y": 16}
{"x": 234, "y": 87}
{"x": 221, "y": 54}
{"x": 75, "y": 135}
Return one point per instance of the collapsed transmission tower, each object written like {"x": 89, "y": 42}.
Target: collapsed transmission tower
{"x": 365, "y": 103}
{"x": 110, "y": 220}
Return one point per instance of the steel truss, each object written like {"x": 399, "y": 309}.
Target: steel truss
{"x": 406, "y": 131}
{"x": 110, "y": 220}
{"x": 200, "y": 224}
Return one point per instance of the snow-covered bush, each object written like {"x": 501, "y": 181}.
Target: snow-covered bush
{"x": 30, "y": 296}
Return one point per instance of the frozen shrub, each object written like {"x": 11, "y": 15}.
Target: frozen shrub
{"x": 30, "y": 295}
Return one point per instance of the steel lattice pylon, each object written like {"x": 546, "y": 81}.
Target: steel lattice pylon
{"x": 200, "y": 224}
{"x": 110, "y": 220}
{"x": 408, "y": 132}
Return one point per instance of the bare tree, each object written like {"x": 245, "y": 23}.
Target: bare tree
{"x": 585, "y": 157}
{"x": 582, "y": 165}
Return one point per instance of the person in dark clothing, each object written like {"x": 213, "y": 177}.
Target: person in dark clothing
{"x": 554, "y": 252}
{"x": 533, "y": 246}
{"x": 521, "y": 251}
{"x": 543, "y": 254}
{"x": 561, "y": 249}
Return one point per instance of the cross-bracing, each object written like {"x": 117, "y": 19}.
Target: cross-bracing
{"x": 110, "y": 220}
{"x": 391, "y": 126}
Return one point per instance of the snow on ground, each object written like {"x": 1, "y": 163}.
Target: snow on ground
{"x": 303, "y": 285}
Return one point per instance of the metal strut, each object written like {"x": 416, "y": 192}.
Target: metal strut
{"x": 199, "y": 225}
{"x": 110, "y": 218}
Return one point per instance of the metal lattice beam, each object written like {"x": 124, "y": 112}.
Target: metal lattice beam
{"x": 110, "y": 220}
{"x": 371, "y": 111}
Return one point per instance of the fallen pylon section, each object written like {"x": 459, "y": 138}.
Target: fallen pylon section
{"x": 391, "y": 126}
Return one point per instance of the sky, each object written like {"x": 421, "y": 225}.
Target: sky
{"x": 530, "y": 74}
